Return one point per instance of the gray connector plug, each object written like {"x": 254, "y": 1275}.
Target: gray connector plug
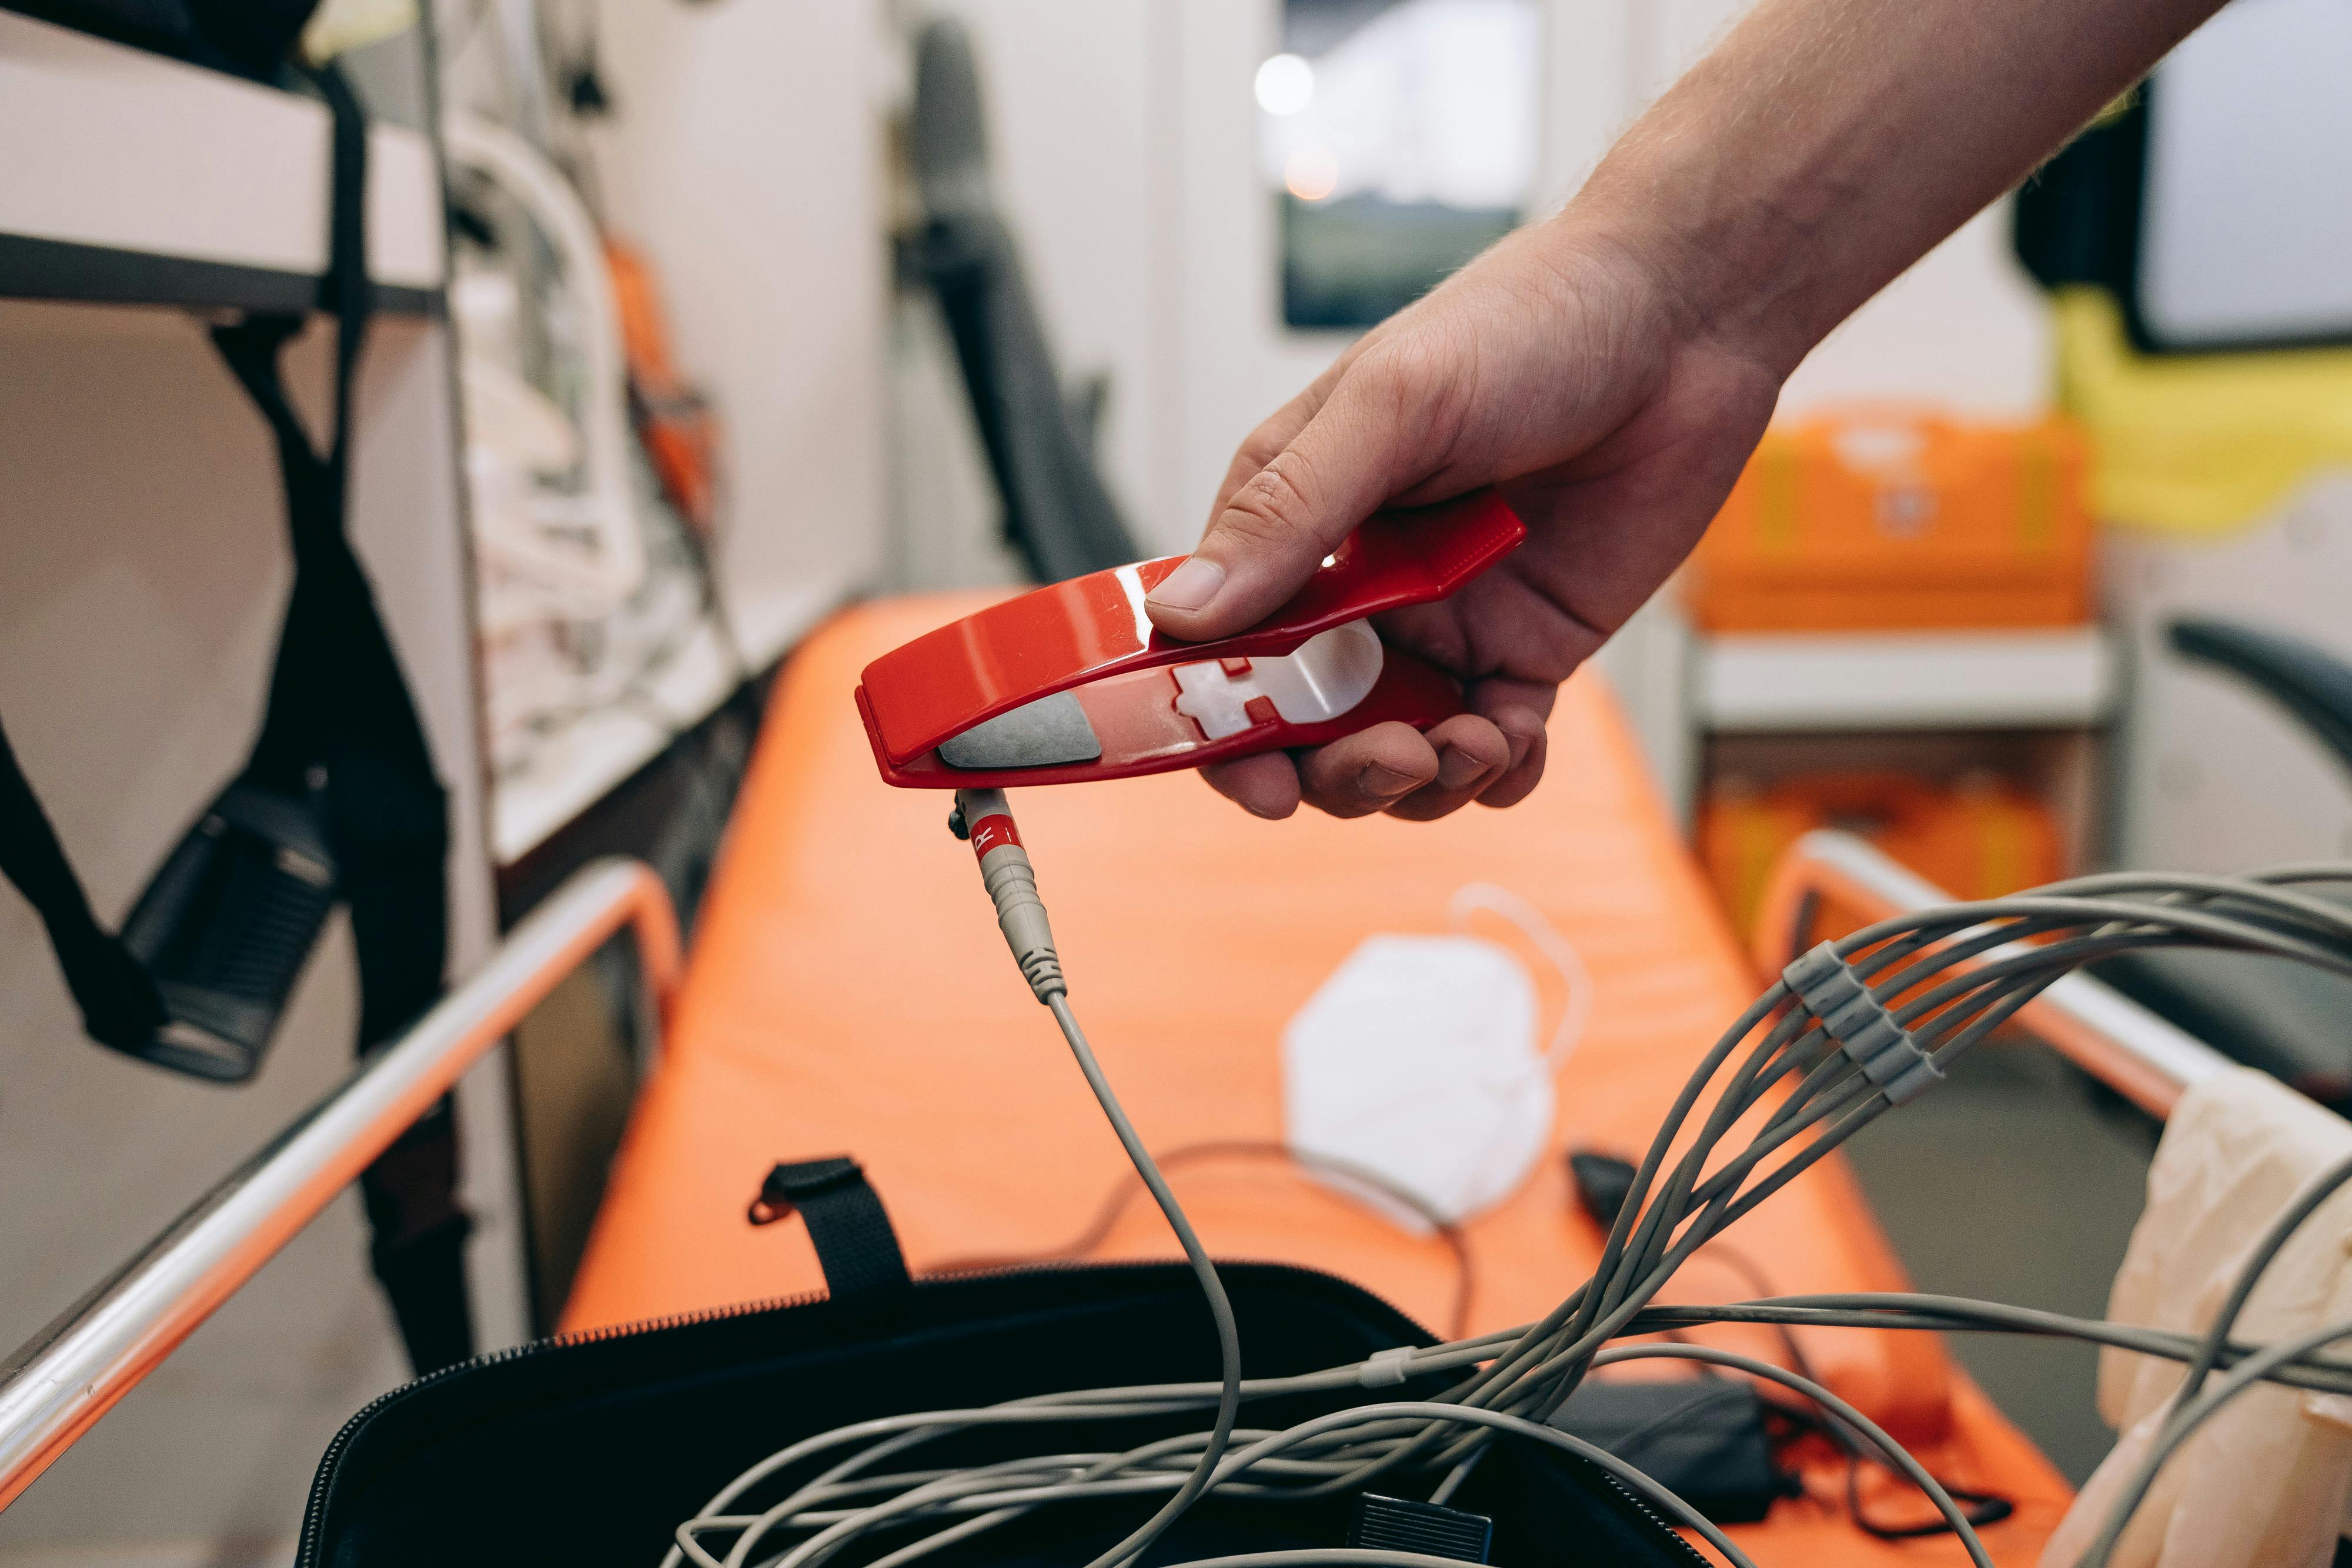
{"x": 1012, "y": 886}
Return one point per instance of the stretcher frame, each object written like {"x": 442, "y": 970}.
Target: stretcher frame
{"x": 59, "y": 1384}
{"x": 2139, "y": 1055}
{"x": 56, "y": 1386}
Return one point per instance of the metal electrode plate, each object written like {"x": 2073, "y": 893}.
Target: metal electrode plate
{"x": 1048, "y": 731}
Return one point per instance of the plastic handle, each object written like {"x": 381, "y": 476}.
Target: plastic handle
{"x": 1093, "y": 627}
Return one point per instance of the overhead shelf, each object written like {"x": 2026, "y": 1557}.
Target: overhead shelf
{"x": 585, "y": 760}
{"x": 1759, "y": 682}
{"x": 134, "y": 179}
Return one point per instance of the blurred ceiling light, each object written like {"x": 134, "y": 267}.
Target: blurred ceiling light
{"x": 1312, "y": 173}
{"x": 1286, "y": 84}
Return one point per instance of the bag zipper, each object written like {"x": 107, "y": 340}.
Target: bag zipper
{"x": 313, "y": 1512}
{"x": 1665, "y": 1527}
{"x": 306, "y": 1554}
{"x": 314, "y": 1509}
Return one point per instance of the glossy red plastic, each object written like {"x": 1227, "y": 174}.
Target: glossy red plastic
{"x": 1090, "y": 636}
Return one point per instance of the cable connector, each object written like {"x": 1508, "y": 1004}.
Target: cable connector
{"x": 1011, "y": 885}
{"x": 1829, "y": 989}
{"x": 1385, "y": 1368}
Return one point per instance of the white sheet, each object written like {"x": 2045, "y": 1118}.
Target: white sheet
{"x": 2262, "y": 1484}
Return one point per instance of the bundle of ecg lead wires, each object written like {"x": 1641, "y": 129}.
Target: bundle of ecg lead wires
{"x": 1852, "y": 1029}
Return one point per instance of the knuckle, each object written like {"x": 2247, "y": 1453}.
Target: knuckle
{"x": 1275, "y": 506}
{"x": 1262, "y": 446}
{"x": 1418, "y": 388}
{"x": 1391, "y": 382}
{"x": 1403, "y": 364}
{"x": 1561, "y": 646}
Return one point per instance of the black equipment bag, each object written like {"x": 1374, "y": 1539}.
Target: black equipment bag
{"x": 338, "y": 799}
{"x": 589, "y": 1450}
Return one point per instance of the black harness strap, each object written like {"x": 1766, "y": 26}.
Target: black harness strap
{"x": 118, "y": 1003}
{"x": 338, "y": 798}
{"x": 339, "y": 706}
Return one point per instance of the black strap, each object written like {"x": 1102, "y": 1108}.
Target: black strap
{"x": 339, "y": 706}
{"x": 339, "y": 723}
{"x": 338, "y": 702}
{"x": 417, "y": 1245}
{"x": 846, "y": 1222}
{"x": 118, "y": 1003}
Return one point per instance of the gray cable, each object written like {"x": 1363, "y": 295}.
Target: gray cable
{"x": 1221, "y": 1309}
{"x": 922, "y": 1426}
{"x": 1896, "y": 1453}
{"x": 1951, "y": 1314}
{"x": 1323, "y": 1557}
{"x": 2183, "y": 1426}
{"x": 1789, "y": 1309}
{"x": 1684, "y": 1514}
{"x": 2257, "y": 1264}
{"x": 1930, "y": 969}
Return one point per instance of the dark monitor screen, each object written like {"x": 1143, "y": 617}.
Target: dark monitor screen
{"x": 1398, "y": 139}
{"x": 2214, "y": 202}
{"x": 2245, "y": 220}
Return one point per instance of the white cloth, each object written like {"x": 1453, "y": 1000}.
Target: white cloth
{"x": 2263, "y": 1483}
{"x": 1417, "y": 1063}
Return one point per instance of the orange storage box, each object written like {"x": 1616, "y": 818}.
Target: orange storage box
{"x": 1900, "y": 519}
{"x": 1978, "y": 837}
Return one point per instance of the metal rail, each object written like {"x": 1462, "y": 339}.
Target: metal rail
{"x": 2142, "y": 1057}
{"x": 54, "y": 1387}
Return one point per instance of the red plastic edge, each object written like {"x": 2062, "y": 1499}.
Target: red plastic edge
{"x": 1090, "y": 627}
{"x": 1410, "y": 690}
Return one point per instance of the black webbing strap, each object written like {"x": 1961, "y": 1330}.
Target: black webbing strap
{"x": 118, "y": 1003}
{"x": 847, "y": 1223}
{"x": 339, "y": 727}
{"x": 338, "y": 703}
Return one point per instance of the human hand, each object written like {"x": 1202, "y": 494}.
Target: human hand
{"x": 1560, "y": 367}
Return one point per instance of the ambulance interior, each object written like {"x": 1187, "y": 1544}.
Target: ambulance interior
{"x": 701, "y": 425}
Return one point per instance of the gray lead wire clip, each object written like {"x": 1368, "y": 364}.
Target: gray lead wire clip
{"x": 1827, "y": 987}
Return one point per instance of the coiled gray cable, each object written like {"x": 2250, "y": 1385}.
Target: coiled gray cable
{"x": 1949, "y": 977}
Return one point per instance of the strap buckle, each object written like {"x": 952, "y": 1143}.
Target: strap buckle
{"x": 847, "y": 1224}
{"x": 789, "y": 1185}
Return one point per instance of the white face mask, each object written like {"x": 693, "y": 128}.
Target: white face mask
{"x": 1416, "y": 1062}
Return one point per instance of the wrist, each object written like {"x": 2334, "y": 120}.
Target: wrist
{"x": 1725, "y": 257}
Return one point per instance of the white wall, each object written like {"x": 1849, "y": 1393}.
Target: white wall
{"x": 1069, "y": 106}
{"x": 1123, "y": 138}
{"x": 2212, "y": 776}
{"x": 1964, "y": 328}
{"x": 1081, "y": 143}
{"x": 745, "y": 160}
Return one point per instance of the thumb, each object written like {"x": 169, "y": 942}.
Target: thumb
{"x": 1274, "y": 531}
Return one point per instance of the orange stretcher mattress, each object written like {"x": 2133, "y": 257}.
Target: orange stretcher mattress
{"x": 848, "y": 993}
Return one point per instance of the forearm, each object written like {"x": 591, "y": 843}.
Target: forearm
{"x": 1827, "y": 144}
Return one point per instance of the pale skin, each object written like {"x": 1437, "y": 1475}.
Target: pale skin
{"x": 1613, "y": 366}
